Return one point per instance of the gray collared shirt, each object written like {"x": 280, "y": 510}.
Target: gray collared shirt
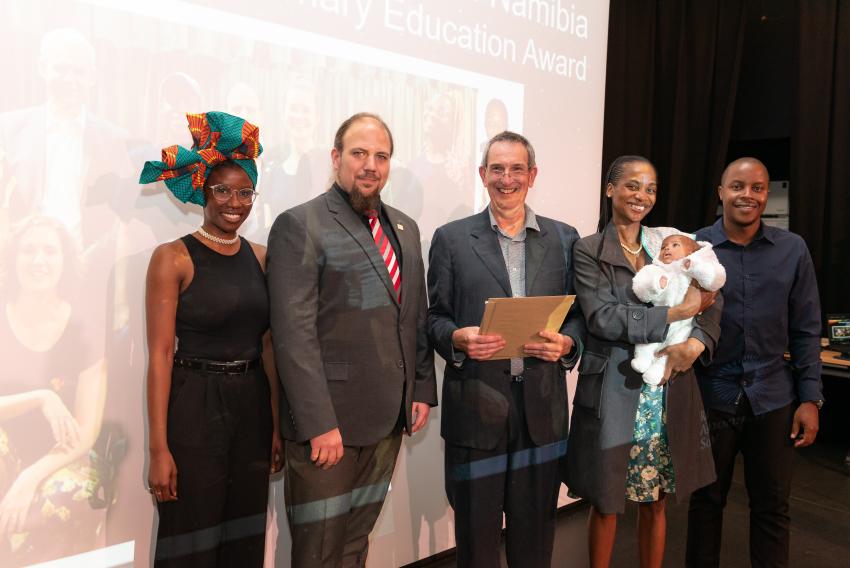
{"x": 513, "y": 251}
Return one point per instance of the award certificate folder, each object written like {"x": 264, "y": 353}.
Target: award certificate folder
{"x": 519, "y": 320}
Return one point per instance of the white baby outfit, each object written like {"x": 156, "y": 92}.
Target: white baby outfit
{"x": 705, "y": 269}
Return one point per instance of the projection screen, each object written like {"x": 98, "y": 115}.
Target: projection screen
{"x": 95, "y": 88}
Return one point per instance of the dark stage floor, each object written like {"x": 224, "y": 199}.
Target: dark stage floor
{"x": 820, "y": 521}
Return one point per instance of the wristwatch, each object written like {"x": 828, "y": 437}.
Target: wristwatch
{"x": 818, "y": 403}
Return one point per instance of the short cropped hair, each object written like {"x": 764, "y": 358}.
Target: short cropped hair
{"x": 512, "y": 137}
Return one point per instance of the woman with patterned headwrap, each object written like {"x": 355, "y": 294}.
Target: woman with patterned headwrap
{"x": 211, "y": 402}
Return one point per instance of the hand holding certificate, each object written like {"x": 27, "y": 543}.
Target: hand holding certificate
{"x": 520, "y": 321}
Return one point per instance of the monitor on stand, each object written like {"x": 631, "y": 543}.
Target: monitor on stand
{"x": 838, "y": 326}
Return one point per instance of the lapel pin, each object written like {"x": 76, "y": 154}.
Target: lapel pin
{"x": 400, "y": 226}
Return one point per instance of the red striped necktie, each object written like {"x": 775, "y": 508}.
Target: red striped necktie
{"x": 386, "y": 250}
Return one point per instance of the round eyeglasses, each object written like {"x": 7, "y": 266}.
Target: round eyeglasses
{"x": 222, "y": 193}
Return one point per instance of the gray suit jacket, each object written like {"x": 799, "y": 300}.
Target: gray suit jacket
{"x": 466, "y": 267}
{"x": 348, "y": 354}
{"x": 608, "y": 389}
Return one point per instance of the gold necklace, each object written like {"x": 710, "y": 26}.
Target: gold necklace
{"x": 630, "y": 251}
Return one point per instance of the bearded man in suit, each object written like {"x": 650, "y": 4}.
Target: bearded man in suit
{"x": 348, "y": 308}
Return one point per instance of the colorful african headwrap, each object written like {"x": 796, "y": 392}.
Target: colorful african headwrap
{"x": 218, "y": 137}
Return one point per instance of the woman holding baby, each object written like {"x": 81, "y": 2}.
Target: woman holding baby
{"x": 630, "y": 439}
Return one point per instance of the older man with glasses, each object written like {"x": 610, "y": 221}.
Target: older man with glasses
{"x": 504, "y": 421}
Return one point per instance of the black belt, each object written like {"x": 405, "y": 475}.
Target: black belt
{"x": 229, "y": 367}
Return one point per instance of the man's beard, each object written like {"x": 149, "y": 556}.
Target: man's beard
{"x": 364, "y": 203}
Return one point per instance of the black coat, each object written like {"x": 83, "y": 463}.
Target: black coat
{"x": 608, "y": 388}
{"x": 466, "y": 267}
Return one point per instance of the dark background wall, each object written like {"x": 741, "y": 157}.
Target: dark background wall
{"x": 693, "y": 84}
{"x": 763, "y": 122}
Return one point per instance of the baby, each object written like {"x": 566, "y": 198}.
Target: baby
{"x": 664, "y": 283}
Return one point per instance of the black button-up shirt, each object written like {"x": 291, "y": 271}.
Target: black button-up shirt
{"x": 771, "y": 305}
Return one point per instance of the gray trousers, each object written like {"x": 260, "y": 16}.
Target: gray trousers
{"x": 331, "y": 512}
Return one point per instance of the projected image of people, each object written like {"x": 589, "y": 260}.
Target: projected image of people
{"x": 57, "y": 151}
{"x": 242, "y": 100}
{"x": 295, "y": 169}
{"x": 51, "y": 407}
{"x": 299, "y": 122}
{"x": 495, "y": 119}
{"x": 177, "y": 93}
{"x": 443, "y": 166}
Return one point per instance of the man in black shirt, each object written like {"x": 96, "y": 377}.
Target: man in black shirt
{"x": 756, "y": 402}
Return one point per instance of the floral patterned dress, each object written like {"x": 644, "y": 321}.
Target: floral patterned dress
{"x": 650, "y": 469}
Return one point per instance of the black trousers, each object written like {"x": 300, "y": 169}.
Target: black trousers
{"x": 517, "y": 478}
{"x": 219, "y": 432}
{"x": 332, "y": 511}
{"x": 768, "y": 452}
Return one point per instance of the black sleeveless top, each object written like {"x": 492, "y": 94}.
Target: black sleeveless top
{"x": 224, "y": 312}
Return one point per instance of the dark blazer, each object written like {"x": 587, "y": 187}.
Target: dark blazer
{"x": 466, "y": 267}
{"x": 608, "y": 390}
{"x": 348, "y": 354}
{"x": 104, "y": 168}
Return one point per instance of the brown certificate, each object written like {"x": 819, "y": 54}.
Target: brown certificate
{"x": 519, "y": 320}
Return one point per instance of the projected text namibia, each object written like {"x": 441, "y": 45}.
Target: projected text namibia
{"x": 554, "y": 14}
{"x": 476, "y": 38}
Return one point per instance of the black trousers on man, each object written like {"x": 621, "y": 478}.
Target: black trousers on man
{"x": 517, "y": 478}
{"x": 768, "y": 457}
